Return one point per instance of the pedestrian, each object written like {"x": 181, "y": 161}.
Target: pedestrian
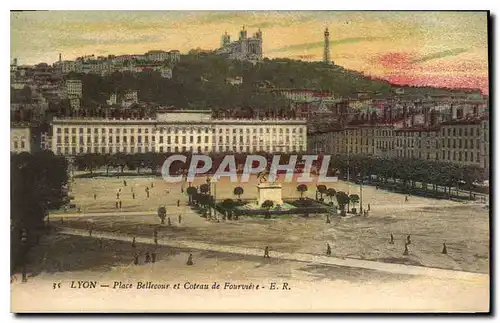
{"x": 444, "y": 251}
{"x": 368, "y": 206}
{"x": 190, "y": 260}
{"x": 155, "y": 232}
{"x": 153, "y": 257}
{"x": 95, "y": 196}
{"x": 24, "y": 275}
{"x": 178, "y": 203}
{"x": 120, "y": 204}
{"x": 156, "y": 240}
{"x": 147, "y": 194}
{"x": 182, "y": 190}
{"x": 119, "y": 190}
{"x": 392, "y": 239}
{"x": 117, "y": 195}
{"x": 406, "y": 198}
{"x": 133, "y": 196}
{"x": 148, "y": 258}
{"x": 406, "y": 252}
{"x": 408, "y": 240}
{"x": 124, "y": 183}
{"x": 169, "y": 223}
{"x": 133, "y": 242}
{"x": 180, "y": 219}
{"x": 136, "y": 259}
{"x": 152, "y": 185}
{"x": 328, "y": 250}
{"x": 266, "y": 252}
{"x": 90, "y": 231}
{"x": 116, "y": 203}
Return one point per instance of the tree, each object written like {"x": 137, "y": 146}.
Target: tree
{"x": 204, "y": 188}
{"x": 162, "y": 214}
{"x": 302, "y": 188}
{"x": 331, "y": 193}
{"x": 321, "y": 189}
{"x": 38, "y": 184}
{"x": 191, "y": 191}
{"x": 238, "y": 191}
{"x": 354, "y": 199}
{"x": 267, "y": 205}
{"x": 342, "y": 201}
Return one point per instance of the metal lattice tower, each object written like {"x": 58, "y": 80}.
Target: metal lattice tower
{"x": 326, "y": 53}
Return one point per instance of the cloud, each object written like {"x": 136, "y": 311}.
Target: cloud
{"x": 321, "y": 43}
{"x": 446, "y": 53}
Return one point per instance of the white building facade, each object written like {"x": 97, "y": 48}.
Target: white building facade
{"x": 183, "y": 131}
{"x": 20, "y": 139}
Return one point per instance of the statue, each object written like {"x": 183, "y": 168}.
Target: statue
{"x": 263, "y": 176}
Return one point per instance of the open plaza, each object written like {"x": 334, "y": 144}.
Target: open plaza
{"x": 362, "y": 258}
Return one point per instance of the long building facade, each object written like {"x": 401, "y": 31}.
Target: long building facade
{"x": 172, "y": 131}
{"x": 463, "y": 142}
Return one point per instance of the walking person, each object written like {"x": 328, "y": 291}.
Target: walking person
{"x": 180, "y": 219}
{"x": 406, "y": 198}
{"x": 124, "y": 183}
{"x": 190, "y": 260}
{"x": 133, "y": 242}
{"x": 168, "y": 221}
{"x": 120, "y": 204}
{"x": 444, "y": 251}
{"x": 408, "y": 240}
{"x": 392, "y": 239}
{"x": 328, "y": 250}
{"x": 406, "y": 252}
{"x": 95, "y": 196}
{"x": 178, "y": 203}
{"x": 266, "y": 252}
{"x": 136, "y": 259}
{"x": 148, "y": 258}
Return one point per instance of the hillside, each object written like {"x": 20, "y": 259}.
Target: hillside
{"x": 199, "y": 82}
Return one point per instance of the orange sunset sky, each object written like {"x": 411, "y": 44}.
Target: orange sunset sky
{"x": 418, "y": 48}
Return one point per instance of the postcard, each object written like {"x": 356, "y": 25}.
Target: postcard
{"x": 250, "y": 161}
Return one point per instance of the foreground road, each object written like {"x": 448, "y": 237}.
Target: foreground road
{"x": 303, "y": 257}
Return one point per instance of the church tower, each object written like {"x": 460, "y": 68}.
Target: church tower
{"x": 326, "y": 49}
{"x": 226, "y": 40}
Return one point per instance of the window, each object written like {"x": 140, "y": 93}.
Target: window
{"x": 73, "y": 139}
{"x": 110, "y": 130}
{"x": 161, "y": 139}
{"x": 125, "y": 139}
{"x": 73, "y": 130}
{"x": 117, "y": 139}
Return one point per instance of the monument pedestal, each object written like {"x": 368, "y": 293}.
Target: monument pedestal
{"x": 269, "y": 191}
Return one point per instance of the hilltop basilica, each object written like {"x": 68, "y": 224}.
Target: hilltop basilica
{"x": 245, "y": 48}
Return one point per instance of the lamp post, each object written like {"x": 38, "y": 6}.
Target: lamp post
{"x": 361, "y": 196}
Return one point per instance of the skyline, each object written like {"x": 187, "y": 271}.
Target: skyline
{"x": 444, "y": 49}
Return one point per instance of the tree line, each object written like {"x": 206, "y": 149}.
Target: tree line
{"x": 383, "y": 170}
